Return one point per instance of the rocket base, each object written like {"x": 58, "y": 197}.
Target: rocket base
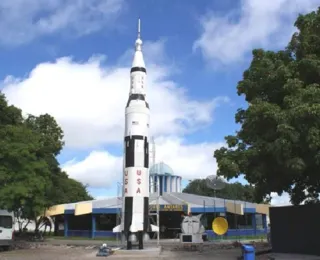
{"x": 139, "y": 238}
{"x": 139, "y": 235}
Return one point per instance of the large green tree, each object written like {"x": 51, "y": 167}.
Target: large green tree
{"x": 68, "y": 190}
{"x": 30, "y": 176}
{"x": 62, "y": 188}
{"x": 232, "y": 191}
{"x": 23, "y": 175}
{"x": 278, "y": 145}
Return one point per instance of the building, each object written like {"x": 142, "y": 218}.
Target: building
{"x": 97, "y": 218}
{"x": 168, "y": 181}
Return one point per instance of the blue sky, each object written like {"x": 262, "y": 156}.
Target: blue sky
{"x": 71, "y": 59}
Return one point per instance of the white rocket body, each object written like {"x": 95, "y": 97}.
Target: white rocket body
{"x": 135, "y": 208}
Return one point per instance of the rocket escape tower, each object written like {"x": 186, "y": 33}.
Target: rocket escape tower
{"x": 135, "y": 209}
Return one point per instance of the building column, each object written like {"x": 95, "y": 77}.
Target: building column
{"x": 156, "y": 184}
{"x": 177, "y": 184}
{"x": 161, "y": 184}
{"x": 178, "y": 179}
{"x": 165, "y": 183}
{"x": 93, "y": 228}
{"x": 153, "y": 183}
{"x": 66, "y": 225}
{"x": 174, "y": 183}
{"x": 254, "y": 223}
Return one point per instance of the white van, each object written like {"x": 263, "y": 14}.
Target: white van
{"x": 6, "y": 229}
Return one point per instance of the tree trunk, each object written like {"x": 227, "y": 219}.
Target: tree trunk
{"x": 25, "y": 226}
{"x": 36, "y": 229}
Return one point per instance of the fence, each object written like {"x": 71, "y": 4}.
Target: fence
{"x": 295, "y": 229}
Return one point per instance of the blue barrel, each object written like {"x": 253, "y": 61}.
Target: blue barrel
{"x": 248, "y": 252}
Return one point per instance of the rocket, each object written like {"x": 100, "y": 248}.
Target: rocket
{"x": 135, "y": 209}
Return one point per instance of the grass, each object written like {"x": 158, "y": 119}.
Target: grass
{"x": 261, "y": 237}
{"x": 114, "y": 239}
{"x": 83, "y": 238}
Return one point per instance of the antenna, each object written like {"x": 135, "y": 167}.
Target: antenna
{"x": 139, "y": 24}
{"x": 215, "y": 183}
{"x": 139, "y": 41}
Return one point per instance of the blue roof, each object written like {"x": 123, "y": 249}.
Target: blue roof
{"x": 161, "y": 169}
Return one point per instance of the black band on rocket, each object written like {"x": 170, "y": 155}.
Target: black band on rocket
{"x": 142, "y": 69}
{"x": 130, "y": 152}
{"x": 137, "y": 97}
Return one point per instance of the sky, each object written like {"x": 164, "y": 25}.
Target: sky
{"x": 72, "y": 59}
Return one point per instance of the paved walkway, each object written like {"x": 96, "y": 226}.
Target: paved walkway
{"x": 88, "y": 242}
{"x": 220, "y": 254}
{"x": 294, "y": 257}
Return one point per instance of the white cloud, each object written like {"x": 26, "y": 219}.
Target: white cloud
{"x": 23, "y": 20}
{"x": 88, "y": 100}
{"x": 187, "y": 160}
{"x": 101, "y": 169}
{"x": 258, "y": 24}
{"x": 283, "y": 200}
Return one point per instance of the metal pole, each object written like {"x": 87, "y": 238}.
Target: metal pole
{"x": 205, "y": 215}
{"x": 158, "y": 214}
{"x": 214, "y": 203}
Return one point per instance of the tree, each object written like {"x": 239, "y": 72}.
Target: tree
{"x": 278, "y": 146}
{"x": 68, "y": 190}
{"x": 30, "y": 176}
{"x": 23, "y": 175}
{"x": 60, "y": 188}
{"x": 50, "y": 133}
{"x": 9, "y": 115}
{"x": 50, "y": 137}
{"x": 232, "y": 191}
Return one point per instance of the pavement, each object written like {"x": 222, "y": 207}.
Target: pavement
{"x": 80, "y": 253}
{"x": 92, "y": 242}
{"x": 293, "y": 257}
{"x": 54, "y": 249}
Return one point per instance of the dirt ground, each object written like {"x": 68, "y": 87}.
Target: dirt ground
{"x": 69, "y": 253}
{"x": 50, "y": 252}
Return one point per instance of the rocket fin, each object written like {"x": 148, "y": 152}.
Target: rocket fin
{"x": 117, "y": 229}
{"x": 154, "y": 228}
